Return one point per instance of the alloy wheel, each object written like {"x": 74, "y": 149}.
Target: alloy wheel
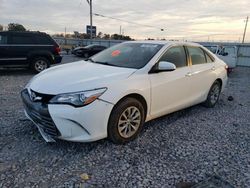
{"x": 40, "y": 65}
{"x": 215, "y": 93}
{"x": 129, "y": 122}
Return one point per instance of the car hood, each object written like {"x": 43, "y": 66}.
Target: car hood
{"x": 77, "y": 76}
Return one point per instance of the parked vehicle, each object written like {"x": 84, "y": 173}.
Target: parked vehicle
{"x": 88, "y": 51}
{"x": 113, "y": 93}
{"x": 227, "y": 53}
{"x": 76, "y": 49}
{"x": 33, "y": 50}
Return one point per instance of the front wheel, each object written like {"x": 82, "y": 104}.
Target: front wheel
{"x": 213, "y": 95}
{"x": 126, "y": 121}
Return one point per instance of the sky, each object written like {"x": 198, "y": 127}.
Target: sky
{"x": 197, "y": 20}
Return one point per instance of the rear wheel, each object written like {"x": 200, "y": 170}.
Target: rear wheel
{"x": 213, "y": 95}
{"x": 126, "y": 121}
{"x": 39, "y": 64}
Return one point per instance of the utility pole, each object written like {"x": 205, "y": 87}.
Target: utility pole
{"x": 91, "y": 19}
{"x": 245, "y": 30}
{"x": 120, "y": 30}
{"x": 65, "y": 40}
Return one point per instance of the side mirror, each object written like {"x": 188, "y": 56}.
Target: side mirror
{"x": 164, "y": 66}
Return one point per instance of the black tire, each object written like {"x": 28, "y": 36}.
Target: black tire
{"x": 113, "y": 131}
{"x": 39, "y": 64}
{"x": 213, "y": 96}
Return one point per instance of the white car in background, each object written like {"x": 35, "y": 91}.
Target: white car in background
{"x": 116, "y": 91}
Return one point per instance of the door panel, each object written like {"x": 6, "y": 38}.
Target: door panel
{"x": 202, "y": 74}
{"x": 170, "y": 91}
{"x": 201, "y": 79}
{"x": 19, "y": 47}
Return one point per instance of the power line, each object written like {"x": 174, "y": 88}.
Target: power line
{"x": 134, "y": 23}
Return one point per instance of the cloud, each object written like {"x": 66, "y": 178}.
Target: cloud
{"x": 182, "y": 19}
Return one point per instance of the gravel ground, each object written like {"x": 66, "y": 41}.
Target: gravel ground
{"x": 190, "y": 145}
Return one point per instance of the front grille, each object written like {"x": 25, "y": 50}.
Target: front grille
{"x": 39, "y": 113}
{"x": 46, "y": 123}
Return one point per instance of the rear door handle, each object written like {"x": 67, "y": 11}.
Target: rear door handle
{"x": 189, "y": 74}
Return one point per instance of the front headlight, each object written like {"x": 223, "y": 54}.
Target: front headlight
{"x": 78, "y": 99}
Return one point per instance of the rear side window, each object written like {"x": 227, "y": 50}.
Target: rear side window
{"x": 209, "y": 59}
{"x": 3, "y": 39}
{"x": 175, "y": 55}
{"x": 22, "y": 39}
{"x": 197, "y": 55}
{"x": 43, "y": 40}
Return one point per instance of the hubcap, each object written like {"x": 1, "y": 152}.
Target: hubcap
{"x": 129, "y": 122}
{"x": 215, "y": 93}
{"x": 40, "y": 65}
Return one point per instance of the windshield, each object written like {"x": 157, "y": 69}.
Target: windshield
{"x": 128, "y": 55}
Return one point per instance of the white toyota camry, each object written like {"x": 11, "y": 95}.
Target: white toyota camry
{"x": 113, "y": 93}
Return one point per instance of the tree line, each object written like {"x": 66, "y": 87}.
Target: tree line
{"x": 100, "y": 35}
{"x": 13, "y": 27}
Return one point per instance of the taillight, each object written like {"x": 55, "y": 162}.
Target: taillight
{"x": 57, "y": 49}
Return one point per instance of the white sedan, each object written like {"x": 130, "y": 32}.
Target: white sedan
{"x": 113, "y": 93}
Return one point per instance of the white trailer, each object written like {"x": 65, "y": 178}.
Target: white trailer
{"x": 227, "y": 53}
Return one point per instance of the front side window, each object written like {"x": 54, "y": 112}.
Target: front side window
{"x": 128, "y": 55}
{"x": 175, "y": 55}
{"x": 197, "y": 55}
{"x": 3, "y": 39}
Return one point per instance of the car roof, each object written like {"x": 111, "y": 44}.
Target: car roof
{"x": 165, "y": 42}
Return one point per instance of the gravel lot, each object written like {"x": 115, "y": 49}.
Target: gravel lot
{"x": 190, "y": 145}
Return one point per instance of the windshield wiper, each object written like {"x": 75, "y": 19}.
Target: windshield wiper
{"x": 100, "y": 62}
{"x": 106, "y": 63}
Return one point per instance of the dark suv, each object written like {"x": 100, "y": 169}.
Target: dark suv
{"x": 35, "y": 50}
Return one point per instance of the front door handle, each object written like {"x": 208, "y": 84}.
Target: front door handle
{"x": 213, "y": 68}
{"x": 189, "y": 74}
